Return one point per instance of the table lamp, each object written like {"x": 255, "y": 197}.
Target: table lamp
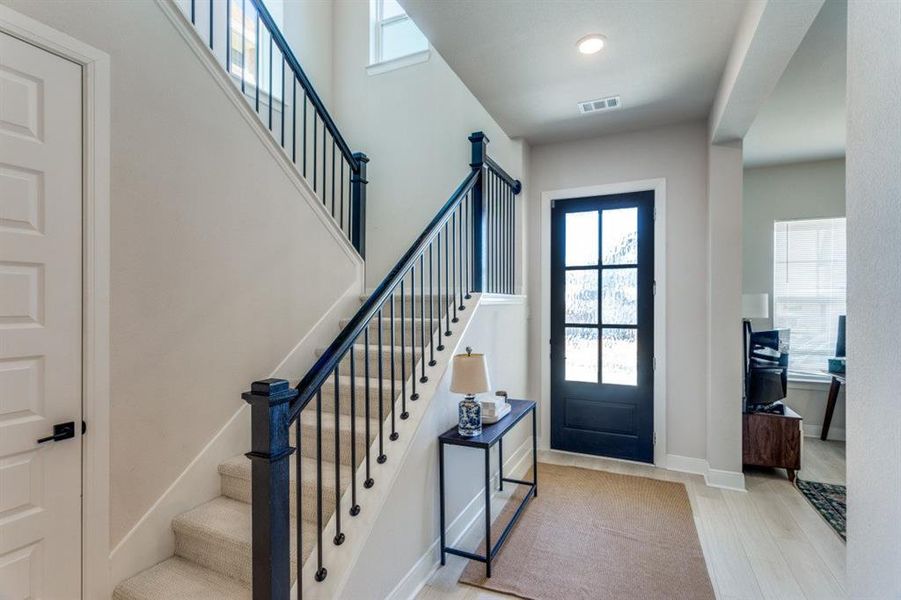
{"x": 470, "y": 377}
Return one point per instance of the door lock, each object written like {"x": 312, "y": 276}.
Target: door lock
{"x": 61, "y": 431}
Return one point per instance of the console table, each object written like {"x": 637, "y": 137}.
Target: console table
{"x": 772, "y": 440}
{"x": 491, "y": 434}
{"x": 838, "y": 380}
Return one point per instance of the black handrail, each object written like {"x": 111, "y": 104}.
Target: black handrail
{"x": 285, "y": 49}
{"x": 513, "y": 183}
{"x": 330, "y": 358}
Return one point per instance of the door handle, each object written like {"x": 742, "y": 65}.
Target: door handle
{"x": 61, "y": 431}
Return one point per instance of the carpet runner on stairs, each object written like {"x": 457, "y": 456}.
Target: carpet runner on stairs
{"x": 213, "y": 541}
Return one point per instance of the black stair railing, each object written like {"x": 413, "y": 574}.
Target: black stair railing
{"x": 468, "y": 247}
{"x": 244, "y": 37}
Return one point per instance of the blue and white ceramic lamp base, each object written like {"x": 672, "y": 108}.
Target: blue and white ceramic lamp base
{"x": 470, "y": 414}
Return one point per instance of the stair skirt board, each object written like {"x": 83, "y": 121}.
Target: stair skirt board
{"x": 213, "y": 541}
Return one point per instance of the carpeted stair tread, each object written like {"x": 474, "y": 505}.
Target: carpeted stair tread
{"x": 410, "y": 353}
{"x": 344, "y": 388}
{"x": 308, "y": 435}
{"x": 235, "y": 474}
{"x": 217, "y": 535}
{"x": 182, "y": 579}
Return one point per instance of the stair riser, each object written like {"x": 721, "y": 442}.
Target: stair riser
{"x": 308, "y": 441}
{"x": 328, "y": 399}
{"x": 240, "y": 489}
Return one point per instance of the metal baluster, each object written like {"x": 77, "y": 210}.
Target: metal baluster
{"x": 394, "y": 435}
{"x": 382, "y": 457}
{"x": 192, "y": 12}
{"x": 459, "y": 237}
{"x": 404, "y": 415}
{"x": 339, "y": 537}
{"x": 512, "y": 242}
{"x": 341, "y": 195}
{"x": 211, "y": 26}
{"x": 321, "y": 572}
{"x": 423, "y": 378}
{"x": 228, "y": 36}
{"x": 283, "y": 101}
{"x": 333, "y": 172}
{"x": 354, "y": 507}
{"x": 304, "y": 133}
{"x": 243, "y": 40}
{"x": 438, "y": 265}
{"x": 366, "y": 411}
{"x": 315, "y": 146}
{"x": 446, "y": 280}
{"x": 414, "y": 396}
{"x": 298, "y": 505}
{"x": 432, "y": 361}
{"x": 270, "y": 81}
{"x": 256, "y": 67}
{"x": 294, "y": 124}
{"x": 467, "y": 229}
{"x": 453, "y": 271}
{"x": 324, "y": 161}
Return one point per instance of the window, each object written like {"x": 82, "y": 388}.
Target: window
{"x": 394, "y": 35}
{"x": 809, "y": 264}
{"x": 243, "y": 63}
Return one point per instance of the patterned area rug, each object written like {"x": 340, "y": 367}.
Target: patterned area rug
{"x": 829, "y": 499}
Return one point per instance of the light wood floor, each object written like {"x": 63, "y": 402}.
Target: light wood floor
{"x": 767, "y": 542}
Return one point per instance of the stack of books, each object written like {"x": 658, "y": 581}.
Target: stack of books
{"x": 494, "y": 409}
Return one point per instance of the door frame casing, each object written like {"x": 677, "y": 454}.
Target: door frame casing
{"x": 658, "y": 186}
{"x": 95, "y": 67}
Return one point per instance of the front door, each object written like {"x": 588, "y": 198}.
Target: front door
{"x": 40, "y": 322}
{"x": 602, "y": 325}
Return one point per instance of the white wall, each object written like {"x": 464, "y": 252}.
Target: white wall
{"x": 806, "y": 190}
{"x": 211, "y": 241}
{"x": 408, "y": 524}
{"x": 413, "y": 124}
{"x": 874, "y": 288}
{"x": 308, "y": 29}
{"x": 677, "y": 153}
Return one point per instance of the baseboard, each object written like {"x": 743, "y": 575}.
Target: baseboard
{"x": 151, "y": 540}
{"x": 686, "y": 464}
{"x": 419, "y": 574}
{"x": 814, "y": 431}
{"x": 727, "y": 480}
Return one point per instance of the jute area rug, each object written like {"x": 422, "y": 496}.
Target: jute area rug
{"x": 592, "y": 535}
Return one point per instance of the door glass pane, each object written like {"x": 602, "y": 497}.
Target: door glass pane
{"x": 582, "y": 296}
{"x": 581, "y": 239}
{"x": 620, "y": 236}
{"x": 620, "y": 356}
{"x": 582, "y": 354}
{"x": 619, "y": 297}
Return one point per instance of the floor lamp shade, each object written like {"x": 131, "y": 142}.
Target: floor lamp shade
{"x": 470, "y": 375}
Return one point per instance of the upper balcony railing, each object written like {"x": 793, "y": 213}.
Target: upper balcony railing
{"x": 245, "y": 39}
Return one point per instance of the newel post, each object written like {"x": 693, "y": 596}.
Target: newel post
{"x": 358, "y": 183}
{"x": 479, "y": 152}
{"x": 270, "y": 404}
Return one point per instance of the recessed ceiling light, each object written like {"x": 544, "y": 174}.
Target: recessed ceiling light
{"x": 591, "y": 43}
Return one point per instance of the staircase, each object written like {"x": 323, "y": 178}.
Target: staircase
{"x": 314, "y": 445}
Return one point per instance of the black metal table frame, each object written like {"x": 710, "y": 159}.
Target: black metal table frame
{"x": 491, "y": 551}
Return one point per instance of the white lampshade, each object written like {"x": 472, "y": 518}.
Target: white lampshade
{"x": 755, "y": 306}
{"x": 470, "y": 374}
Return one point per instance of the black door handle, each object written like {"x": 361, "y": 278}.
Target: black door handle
{"x": 61, "y": 431}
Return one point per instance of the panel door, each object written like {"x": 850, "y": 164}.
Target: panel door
{"x": 602, "y": 326}
{"x": 40, "y": 321}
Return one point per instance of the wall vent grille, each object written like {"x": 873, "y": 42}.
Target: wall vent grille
{"x": 601, "y": 104}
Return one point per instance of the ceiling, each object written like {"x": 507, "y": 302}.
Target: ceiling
{"x": 519, "y": 57}
{"x": 804, "y": 117}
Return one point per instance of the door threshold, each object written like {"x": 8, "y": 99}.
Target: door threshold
{"x": 552, "y": 452}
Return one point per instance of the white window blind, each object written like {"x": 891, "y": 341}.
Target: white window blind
{"x": 809, "y": 266}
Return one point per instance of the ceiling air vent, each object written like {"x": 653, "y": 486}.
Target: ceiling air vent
{"x": 593, "y": 106}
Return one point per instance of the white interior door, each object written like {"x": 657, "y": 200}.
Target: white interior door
{"x": 40, "y": 322}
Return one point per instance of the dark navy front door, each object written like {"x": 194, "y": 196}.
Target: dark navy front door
{"x": 602, "y": 325}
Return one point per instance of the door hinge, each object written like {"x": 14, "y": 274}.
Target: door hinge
{"x": 655, "y": 438}
{"x": 654, "y": 289}
{"x": 654, "y": 362}
{"x": 553, "y": 203}
{"x": 655, "y": 213}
